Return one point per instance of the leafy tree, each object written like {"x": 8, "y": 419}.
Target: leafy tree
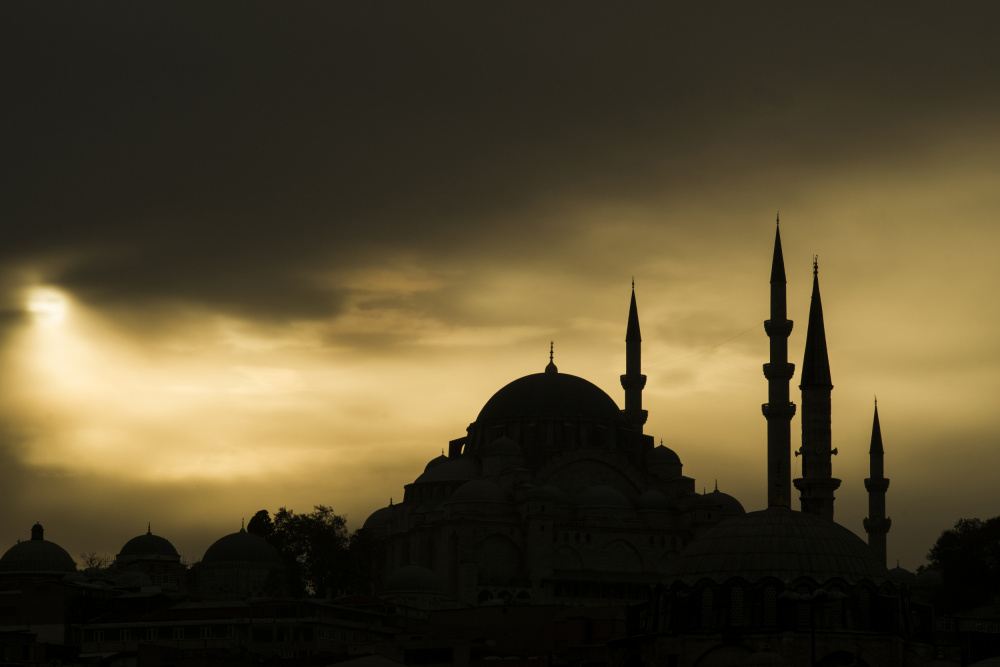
{"x": 315, "y": 547}
{"x": 968, "y": 557}
{"x": 261, "y": 524}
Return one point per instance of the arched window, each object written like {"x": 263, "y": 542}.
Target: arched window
{"x": 707, "y": 613}
{"x": 736, "y": 615}
{"x": 770, "y": 612}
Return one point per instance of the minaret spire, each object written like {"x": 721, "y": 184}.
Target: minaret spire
{"x": 817, "y": 483}
{"x": 877, "y": 524}
{"x": 778, "y": 410}
{"x": 633, "y": 381}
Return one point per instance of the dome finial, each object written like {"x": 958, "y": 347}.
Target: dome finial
{"x": 149, "y": 527}
{"x": 716, "y": 484}
{"x": 243, "y": 525}
{"x": 551, "y": 368}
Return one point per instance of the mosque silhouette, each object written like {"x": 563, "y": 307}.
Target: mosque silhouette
{"x": 558, "y": 527}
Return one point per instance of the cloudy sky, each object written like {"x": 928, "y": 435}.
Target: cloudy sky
{"x": 259, "y": 254}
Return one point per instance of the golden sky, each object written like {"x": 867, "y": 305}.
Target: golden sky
{"x": 257, "y": 256}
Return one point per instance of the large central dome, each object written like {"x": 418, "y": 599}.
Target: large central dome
{"x": 550, "y": 395}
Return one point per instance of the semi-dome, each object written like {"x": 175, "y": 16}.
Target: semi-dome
{"x": 37, "y": 556}
{"x": 148, "y": 545}
{"x": 479, "y": 491}
{"x": 241, "y": 547}
{"x": 550, "y": 395}
{"x": 777, "y": 543}
{"x": 452, "y": 470}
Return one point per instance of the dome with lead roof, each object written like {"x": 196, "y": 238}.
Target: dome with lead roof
{"x": 148, "y": 546}
{"x": 777, "y": 543}
{"x": 37, "y": 556}
{"x": 241, "y": 547}
{"x": 550, "y": 395}
{"x": 457, "y": 469}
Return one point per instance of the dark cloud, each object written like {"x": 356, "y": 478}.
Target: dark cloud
{"x": 223, "y": 155}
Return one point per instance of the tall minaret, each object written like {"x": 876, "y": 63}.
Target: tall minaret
{"x": 817, "y": 483}
{"x": 633, "y": 381}
{"x": 877, "y": 524}
{"x": 778, "y": 410}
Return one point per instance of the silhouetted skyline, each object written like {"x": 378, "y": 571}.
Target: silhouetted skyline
{"x": 259, "y": 256}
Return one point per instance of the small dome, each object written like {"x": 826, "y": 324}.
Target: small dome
{"x": 479, "y": 491}
{"x": 601, "y": 496}
{"x": 661, "y": 455}
{"x": 413, "y": 579}
{"x": 241, "y": 547}
{"x": 378, "y": 519}
{"x": 148, "y": 545}
{"x": 502, "y": 446}
{"x": 901, "y": 575}
{"x": 779, "y": 543}
{"x": 550, "y": 394}
{"x": 722, "y": 502}
{"x": 652, "y": 500}
{"x": 37, "y": 555}
{"x": 437, "y": 460}
{"x": 453, "y": 470}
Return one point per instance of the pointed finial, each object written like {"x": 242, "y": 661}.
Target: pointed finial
{"x": 243, "y": 524}
{"x": 390, "y": 501}
{"x": 149, "y": 528}
{"x": 815, "y": 265}
{"x": 633, "y": 282}
{"x": 442, "y": 451}
{"x": 716, "y": 484}
{"x": 777, "y": 218}
{"x": 551, "y": 368}
{"x": 876, "y": 400}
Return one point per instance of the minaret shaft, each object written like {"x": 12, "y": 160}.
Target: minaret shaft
{"x": 877, "y": 524}
{"x": 633, "y": 381}
{"x": 778, "y": 410}
{"x": 817, "y": 483}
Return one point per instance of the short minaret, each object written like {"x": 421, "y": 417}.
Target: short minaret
{"x": 817, "y": 483}
{"x": 877, "y": 524}
{"x": 633, "y": 381}
{"x": 778, "y": 410}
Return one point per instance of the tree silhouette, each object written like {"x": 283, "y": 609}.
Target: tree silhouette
{"x": 968, "y": 557}
{"x": 315, "y": 548}
{"x": 261, "y": 524}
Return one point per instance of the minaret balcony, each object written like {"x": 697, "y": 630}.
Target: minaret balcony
{"x": 779, "y": 371}
{"x": 778, "y": 411}
{"x": 876, "y": 485}
{"x": 879, "y": 524}
{"x": 778, "y": 328}
{"x": 633, "y": 381}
